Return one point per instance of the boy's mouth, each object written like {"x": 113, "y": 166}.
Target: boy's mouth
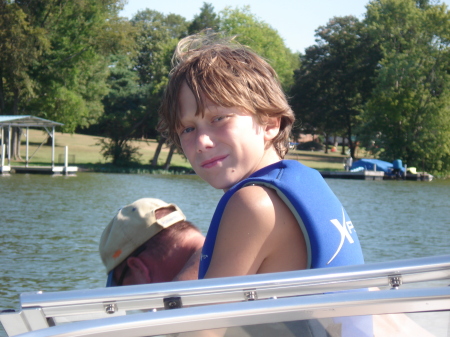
{"x": 213, "y": 161}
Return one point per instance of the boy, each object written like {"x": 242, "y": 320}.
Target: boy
{"x": 226, "y": 111}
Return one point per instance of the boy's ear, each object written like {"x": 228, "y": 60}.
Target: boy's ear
{"x": 272, "y": 128}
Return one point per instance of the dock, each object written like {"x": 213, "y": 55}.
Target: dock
{"x": 360, "y": 175}
{"x": 44, "y": 169}
{"x": 7, "y": 123}
{"x": 410, "y": 176}
{"x": 375, "y": 175}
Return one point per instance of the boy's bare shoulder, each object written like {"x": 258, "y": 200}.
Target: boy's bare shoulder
{"x": 259, "y": 208}
{"x": 255, "y": 201}
{"x": 252, "y": 209}
{"x": 256, "y": 232}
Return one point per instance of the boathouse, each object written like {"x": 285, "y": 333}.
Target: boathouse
{"x": 7, "y": 123}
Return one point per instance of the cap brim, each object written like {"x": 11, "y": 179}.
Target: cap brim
{"x": 110, "y": 282}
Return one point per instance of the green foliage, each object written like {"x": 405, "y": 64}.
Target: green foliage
{"x": 76, "y": 63}
{"x": 122, "y": 154}
{"x": 409, "y": 111}
{"x": 21, "y": 44}
{"x": 312, "y": 99}
{"x": 206, "y": 19}
{"x": 334, "y": 79}
{"x": 262, "y": 38}
{"x": 63, "y": 75}
{"x": 72, "y": 95}
{"x": 385, "y": 79}
{"x": 125, "y": 110}
{"x": 137, "y": 82}
{"x": 157, "y": 37}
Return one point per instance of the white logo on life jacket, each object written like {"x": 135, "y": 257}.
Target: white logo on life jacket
{"x": 345, "y": 229}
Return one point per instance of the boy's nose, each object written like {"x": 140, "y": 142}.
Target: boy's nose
{"x": 204, "y": 142}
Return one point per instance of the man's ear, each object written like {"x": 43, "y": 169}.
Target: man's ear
{"x": 139, "y": 270}
{"x": 271, "y": 128}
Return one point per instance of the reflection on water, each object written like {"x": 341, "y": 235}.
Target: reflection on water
{"x": 50, "y": 226}
{"x": 398, "y": 219}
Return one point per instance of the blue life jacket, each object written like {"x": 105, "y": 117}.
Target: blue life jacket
{"x": 330, "y": 237}
{"x": 329, "y": 234}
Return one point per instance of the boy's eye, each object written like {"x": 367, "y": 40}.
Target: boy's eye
{"x": 219, "y": 118}
{"x": 187, "y": 130}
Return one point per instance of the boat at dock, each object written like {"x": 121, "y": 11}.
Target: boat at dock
{"x": 409, "y": 298}
{"x": 376, "y": 169}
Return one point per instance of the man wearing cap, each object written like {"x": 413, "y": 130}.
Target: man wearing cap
{"x": 149, "y": 241}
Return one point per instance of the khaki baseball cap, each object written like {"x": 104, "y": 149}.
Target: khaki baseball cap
{"x": 131, "y": 227}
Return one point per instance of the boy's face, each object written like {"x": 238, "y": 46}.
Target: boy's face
{"x": 226, "y": 145}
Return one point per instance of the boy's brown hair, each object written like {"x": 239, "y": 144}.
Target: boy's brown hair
{"x": 229, "y": 75}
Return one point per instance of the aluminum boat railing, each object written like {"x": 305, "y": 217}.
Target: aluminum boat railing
{"x": 223, "y": 302}
{"x": 264, "y": 313}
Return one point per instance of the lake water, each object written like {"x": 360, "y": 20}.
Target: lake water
{"x": 51, "y": 225}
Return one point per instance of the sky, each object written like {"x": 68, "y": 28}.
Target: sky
{"x": 295, "y": 20}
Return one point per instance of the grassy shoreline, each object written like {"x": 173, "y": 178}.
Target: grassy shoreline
{"x": 84, "y": 152}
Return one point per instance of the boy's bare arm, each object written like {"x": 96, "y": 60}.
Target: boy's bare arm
{"x": 257, "y": 234}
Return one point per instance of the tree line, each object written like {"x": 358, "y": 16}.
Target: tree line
{"x": 381, "y": 82}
